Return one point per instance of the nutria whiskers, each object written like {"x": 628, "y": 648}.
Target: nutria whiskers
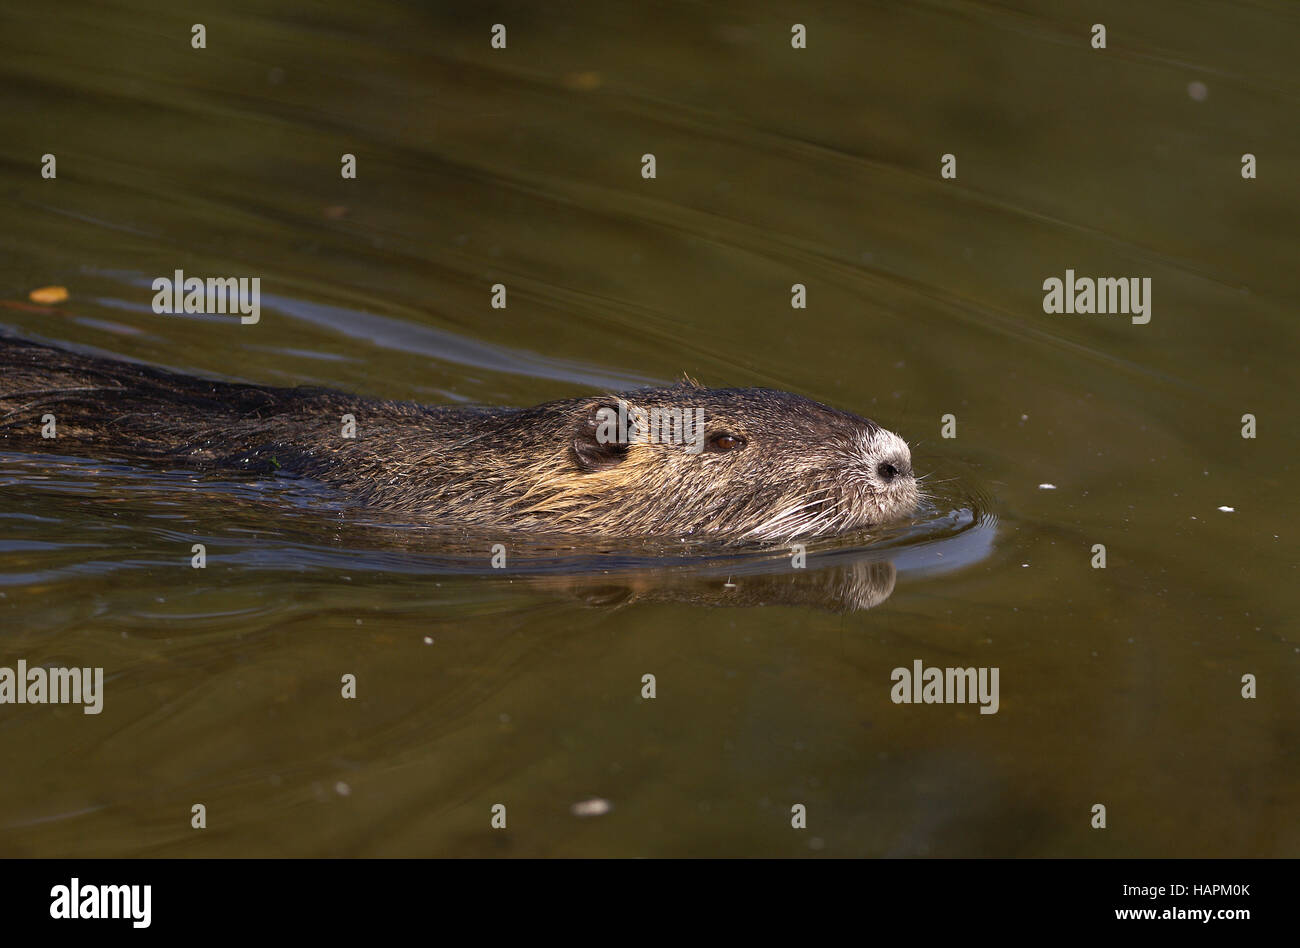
{"x": 769, "y": 465}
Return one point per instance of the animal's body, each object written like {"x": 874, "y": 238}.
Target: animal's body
{"x": 769, "y": 465}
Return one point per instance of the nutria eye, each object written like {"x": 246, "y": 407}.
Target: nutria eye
{"x": 726, "y": 442}
{"x": 887, "y": 471}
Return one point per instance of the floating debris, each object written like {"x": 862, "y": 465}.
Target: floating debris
{"x": 48, "y": 294}
{"x": 593, "y": 807}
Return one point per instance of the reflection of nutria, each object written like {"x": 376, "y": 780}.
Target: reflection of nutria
{"x": 773, "y": 465}
{"x": 850, "y": 587}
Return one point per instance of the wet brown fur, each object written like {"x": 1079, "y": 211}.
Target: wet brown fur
{"x": 805, "y": 469}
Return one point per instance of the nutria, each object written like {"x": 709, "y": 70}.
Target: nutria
{"x": 771, "y": 465}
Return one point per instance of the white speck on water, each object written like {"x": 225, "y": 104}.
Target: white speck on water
{"x": 1197, "y": 90}
{"x": 342, "y": 789}
{"x": 593, "y": 807}
{"x": 1227, "y": 509}
{"x": 1047, "y": 487}
{"x": 428, "y": 640}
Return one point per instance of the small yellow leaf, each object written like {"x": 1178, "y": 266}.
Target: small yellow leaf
{"x": 48, "y": 294}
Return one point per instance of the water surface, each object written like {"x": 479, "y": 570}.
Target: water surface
{"x": 775, "y": 166}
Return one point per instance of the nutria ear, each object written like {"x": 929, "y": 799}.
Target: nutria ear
{"x": 597, "y": 441}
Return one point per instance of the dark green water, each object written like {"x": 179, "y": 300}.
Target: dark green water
{"x": 775, "y": 166}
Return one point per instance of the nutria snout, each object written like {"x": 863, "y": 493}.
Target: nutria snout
{"x": 678, "y": 461}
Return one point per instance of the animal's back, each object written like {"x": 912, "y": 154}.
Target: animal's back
{"x": 124, "y": 409}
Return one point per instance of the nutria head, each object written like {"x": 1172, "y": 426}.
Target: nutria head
{"x": 764, "y": 465}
